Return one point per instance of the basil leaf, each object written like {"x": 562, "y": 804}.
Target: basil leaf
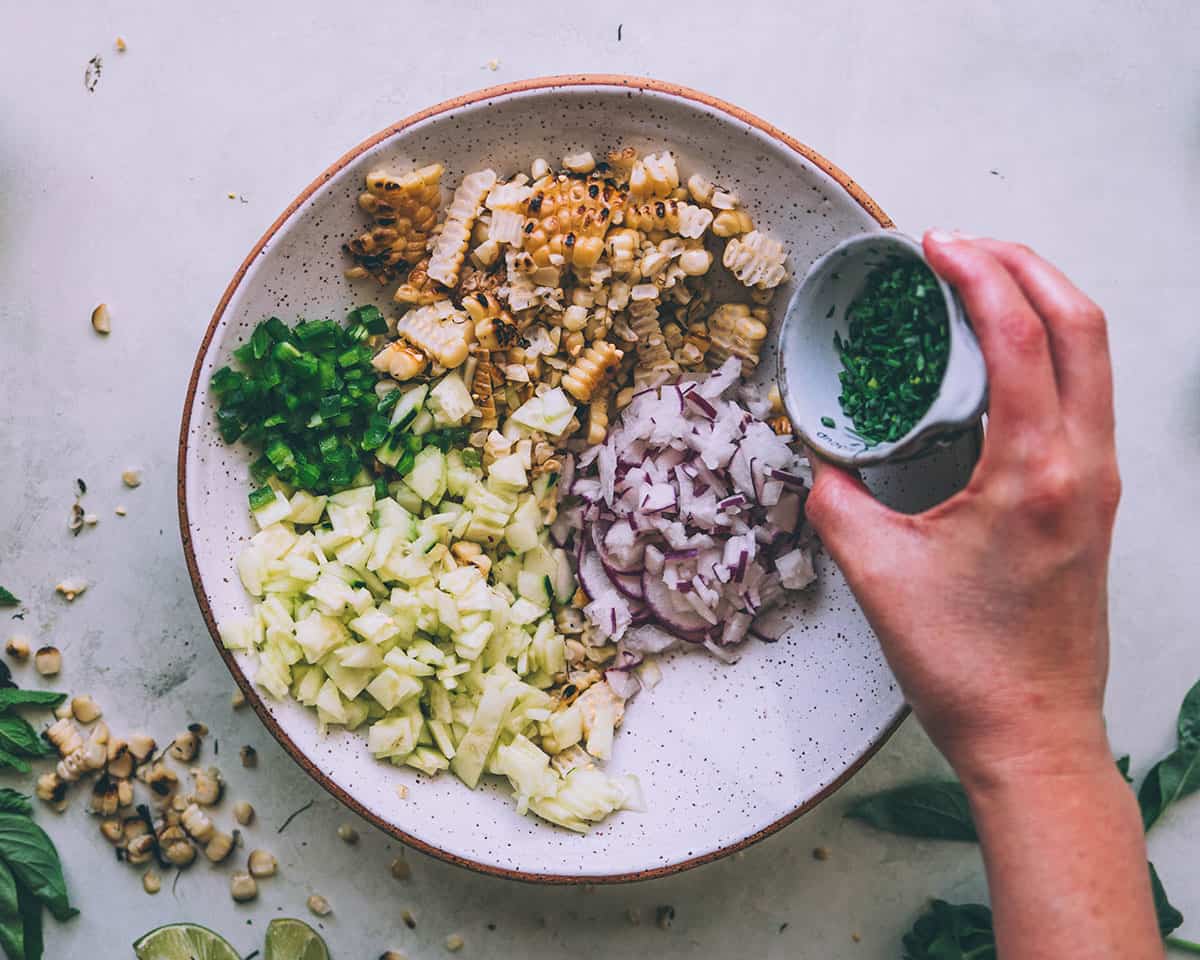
{"x": 1189, "y": 720}
{"x": 34, "y": 861}
{"x": 7, "y": 599}
{"x": 948, "y": 931}
{"x": 1123, "y": 767}
{"x": 12, "y": 929}
{"x": 934, "y": 809}
{"x": 1169, "y": 918}
{"x": 18, "y": 736}
{"x": 10, "y": 761}
{"x": 31, "y": 919}
{"x": 1171, "y": 779}
{"x": 13, "y": 802}
{"x": 30, "y": 698}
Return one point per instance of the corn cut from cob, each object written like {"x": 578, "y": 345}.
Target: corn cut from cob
{"x": 451, "y": 245}
{"x": 439, "y": 330}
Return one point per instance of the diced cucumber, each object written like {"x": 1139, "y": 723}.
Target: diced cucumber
{"x": 562, "y": 577}
{"x": 422, "y": 424}
{"x": 428, "y": 477}
{"x": 450, "y": 401}
{"x": 509, "y": 471}
{"x": 404, "y": 495}
{"x": 539, "y": 560}
{"x": 543, "y": 486}
{"x": 506, "y": 570}
{"x": 408, "y": 406}
{"x": 534, "y": 587}
{"x": 525, "y": 526}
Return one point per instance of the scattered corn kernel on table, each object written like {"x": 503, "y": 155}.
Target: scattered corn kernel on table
{"x": 139, "y": 172}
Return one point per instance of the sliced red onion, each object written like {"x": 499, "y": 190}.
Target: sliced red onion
{"x": 736, "y": 627}
{"x": 668, "y": 615}
{"x": 791, "y": 479}
{"x": 706, "y": 409}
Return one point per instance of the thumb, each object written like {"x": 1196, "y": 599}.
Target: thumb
{"x": 844, "y": 513}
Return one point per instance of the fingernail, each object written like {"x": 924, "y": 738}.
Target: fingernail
{"x": 937, "y": 235}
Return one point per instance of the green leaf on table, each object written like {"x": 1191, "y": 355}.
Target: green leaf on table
{"x": 1169, "y": 918}
{"x": 10, "y": 761}
{"x": 31, "y": 918}
{"x": 17, "y": 736}
{"x": 1178, "y": 774}
{"x": 947, "y": 931}
{"x": 13, "y": 802}
{"x": 12, "y": 927}
{"x": 30, "y": 698}
{"x": 7, "y": 599}
{"x": 934, "y": 809}
{"x": 31, "y": 856}
{"x": 1123, "y": 767}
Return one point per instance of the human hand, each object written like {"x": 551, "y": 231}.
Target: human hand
{"x": 992, "y": 607}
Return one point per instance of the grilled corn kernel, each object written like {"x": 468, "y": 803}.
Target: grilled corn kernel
{"x": 400, "y": 869}
{"x": 85, "y": 709}
{"x": 65, "y": 737}
{"x": 141, "y": 746}
{"x": 782, "y": 425}
{"x": 219, "y": 846}
{"x": 51, "y": 788}
{"x": 243, "y": 887}
{"x": 567, "y": 217}
{"x": 243, "y": 813}
{"x": 590, "y": 369}
{"x": 120, "y": 760}
{"x": 580, "y": 162}
{"x": 110, "y": 829}
{"x": 405, "y": 211}
{"x": 184, "y": 747}
{"x": 209, "y": 787}
{"x": 695, "y": 262}
{"x": 439, "y": 330}
{"x": 105, "y": 801}
{"x": 539, "y": 168}
{"x": 140, "y": 849}
{"x": 654, "y": 175}
{"x": 176, "y": 848}
{"x": 670, "y": 216}
{"x": 418, "y": 287}
{"x": 237, "y": 699}
{"x": 482, "y": 392}
{"x": 701, "y": 189}
{"x": 730, "y": 223}
{"x": 161, "y": 780}
{"x": 736, "y": 330}
{"x": 400, "y": 360}
{"x": 197, "y": 823}
{"x": 17, "y": 647}
{"x": 756, "y": 260}
{"x": 261, "y": 864}
{"x": 597, "y": 428}
{"x": 151, "y": 882}
{"x": 48, "y": 661}
{"x": 63, "y": 711}
{"x": 454, "y": 943}
{"x": 493, "y": 328}
{"x": 451, "y": 245}
{"x": 125, "y": 792}
{"x": 347, "y": 834}
{"x": 319, "y": 906}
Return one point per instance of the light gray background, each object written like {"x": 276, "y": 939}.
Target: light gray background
{"x": 1072, "y": 126}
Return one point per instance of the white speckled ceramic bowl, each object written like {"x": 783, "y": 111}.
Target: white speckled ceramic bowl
{"x": 809, "y": 363}
{"x": 795, "y": 719}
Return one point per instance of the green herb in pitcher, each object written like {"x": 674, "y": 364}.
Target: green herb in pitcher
{"x": 895, "y": 355}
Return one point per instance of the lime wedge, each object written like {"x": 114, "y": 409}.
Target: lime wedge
{"x": 294, "y": 940}
{"x": 184, "y": 941}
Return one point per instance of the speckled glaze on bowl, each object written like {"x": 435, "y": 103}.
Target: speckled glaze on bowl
{"x": 796, "y": 717}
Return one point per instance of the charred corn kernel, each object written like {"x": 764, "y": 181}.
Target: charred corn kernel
{"x": 486, "y": 253}
{"x": 730, "y": 223}
{"x": 405, "y": 211}
{"x": 418, "y": 287}
{"x": 140, "y": 849}
{"x": 781, "y": 425}
{"x": 695, "y": 345}
{"x": 48, "y": 661}
{"x": 574, "y": 318}
{"x": 347, "y": 834}
{"x": 454, "y": 943}
{"x": 151, "y": 882}
{"x": 65, "y": 737}
{"x": 539, "y": 168}
{"x": 120, "y": 760}
{"x": 162, "y": 780}
{"x": 654, "y": 361}
{"x": 670, "y": 216}
{"x": 184, "y": 747}
{"x": 249, "y": 757}
{"x": 654, "y": 175}
{"x": 756, "y": 260}
{"x": 243, "y": 813}
{"x": 110, "y": 829}
{"x": 125, "y": 792}
{"x": 176, "y": 848}
{"x": 237, "y": 699}
{"x": 494, "y": 328}
{"x": 439, "y": 330}
{"x": 262, "y": 864}
{"x": 622, "y": 162}
{"x": 700, "y": 189}
{"x": 85, "y": 709}
{"x": 736, "y": 330}
{"x": 506, "y": 201}
{"x": 400, "y": 360}
{"x": 597, "y": 427}
{"x": 319, "y": 906}
{"x": 724, "y": 200}
{"x": 695, "y": 262}
{"x": 63, "y": 711}
{"x": 219, "y": 846}
{"x": 451, "y": 245}
{"x": 672, "y": 335}
{"x": 481, "y": 389}
{"x": 243, "y": 887}
{"x": 141, "y": 746}
{"x": 208, "y": 788}
{"x": 400, "y": 869}
{"x": 17, "y": 647}
{"x": 568, "y": 217}
{"x": 104, "y": 797}
{"x": 590, "y": 369}
{"x": 580, "y": 162}
{"x": 197, "y": 823}
{"x": 133, "y": 827}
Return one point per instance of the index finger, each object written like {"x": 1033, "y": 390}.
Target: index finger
{"x": 1022, "y": 393}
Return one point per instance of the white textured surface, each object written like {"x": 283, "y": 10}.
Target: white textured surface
{"x": 1087, "y": 117}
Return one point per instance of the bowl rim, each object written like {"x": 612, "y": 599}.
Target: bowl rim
{"x": 532, "y": 85}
